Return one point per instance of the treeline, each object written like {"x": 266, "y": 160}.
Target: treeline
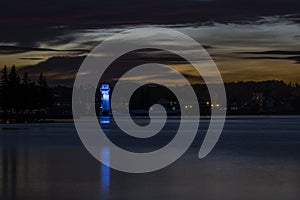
{"x": 20, "y": 96}
{"x": 243, "y": 98}
{"x": 24, "y": 99}
{"x": 266, "y": 97}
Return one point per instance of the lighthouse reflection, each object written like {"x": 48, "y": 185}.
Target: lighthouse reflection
{"x": 105, "y": 174}
{"x": 104, "y": 119}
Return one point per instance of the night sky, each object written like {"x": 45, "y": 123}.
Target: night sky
{"x": 248, "y": 39}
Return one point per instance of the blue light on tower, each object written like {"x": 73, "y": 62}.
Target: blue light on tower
{"x": 105, "y": 104}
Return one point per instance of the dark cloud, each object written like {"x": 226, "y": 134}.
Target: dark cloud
{"x": 156, "y": 56}
{"x": 31, "y": 58}
{"x": 62, "y": 70}
{"x": 274, "y": 55}
{"x": 296, "y": 58}
{"x": 273, "y": 52}
{"x": 8, "y": 50}
{"x": 58, "y": 70}
{"x": 31, "y": 22}
{"x": 118, "y": 12}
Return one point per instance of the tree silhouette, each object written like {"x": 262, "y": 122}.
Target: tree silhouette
{"x": 4, "y": 88}
{"x": 4, "y": 77}
{"x": 25, "y": 79}
{"x": 20, "y": 96}
{"x": 44, "y": 93}
{"x": 29, "y": 93}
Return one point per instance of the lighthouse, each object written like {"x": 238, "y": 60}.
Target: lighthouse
{"x": 105, "y": 104}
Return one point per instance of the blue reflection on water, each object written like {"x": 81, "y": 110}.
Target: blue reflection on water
{"x": 104, "y": 119}
{"x": 105, "y": 175}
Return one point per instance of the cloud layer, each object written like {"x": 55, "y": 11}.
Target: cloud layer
{"x": 247, "y": 39}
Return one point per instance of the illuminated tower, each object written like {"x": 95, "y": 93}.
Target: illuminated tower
{"x": 105, "y": 104}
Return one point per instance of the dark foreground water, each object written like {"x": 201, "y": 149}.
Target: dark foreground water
{"x": 255, "y": 158}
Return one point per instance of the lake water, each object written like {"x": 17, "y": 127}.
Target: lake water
{"x": 257, "y": 157}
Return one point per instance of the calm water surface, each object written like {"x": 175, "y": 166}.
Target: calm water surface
{"x": 255, "y": 158}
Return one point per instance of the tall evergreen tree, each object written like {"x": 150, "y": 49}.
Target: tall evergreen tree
{"x": 42, "y": 81}
{"x": 13, "y": 78}
{"x": 13, "y": 90}
{"x": 4, "y": 88}
{"x": 4, "y": 77}
{"x": 25, "y": 79}
{"x": 28, "y": 93}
